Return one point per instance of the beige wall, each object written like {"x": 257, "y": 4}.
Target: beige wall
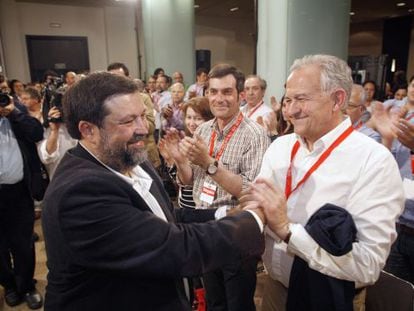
{"x": 230, "y": 41}
{"x": 110, "y": 32}
{"x": 111, "y": 36}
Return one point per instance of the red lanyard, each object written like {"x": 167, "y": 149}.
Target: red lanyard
{"x": 226, "y": 139}
{"x": 254, "y": 110}
{"x": 410, "y": 117}
{"x": 322, "y": 158}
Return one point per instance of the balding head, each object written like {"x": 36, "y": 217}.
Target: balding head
{"x": 178, "y": 77}
{"x": 177, "y": 93}
{"x": 356, "y": 107}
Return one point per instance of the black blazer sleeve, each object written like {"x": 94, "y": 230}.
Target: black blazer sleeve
{"x": 25, "y": 127}
{"x": 104, "y": 230}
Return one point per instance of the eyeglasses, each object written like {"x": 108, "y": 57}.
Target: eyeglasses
{"x": 353, "y": 106}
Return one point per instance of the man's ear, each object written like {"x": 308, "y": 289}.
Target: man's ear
{"x": 89, "y": 131}
{"x": 339, "y": 97}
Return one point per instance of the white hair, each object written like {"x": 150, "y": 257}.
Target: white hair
{"x": 362, "y": 95}
{"x": 335, "y": 73}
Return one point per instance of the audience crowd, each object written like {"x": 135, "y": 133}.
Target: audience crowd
{"x": 323, "y": 174}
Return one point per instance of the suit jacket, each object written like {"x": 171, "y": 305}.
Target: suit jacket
{"x": 28, "y": 131}
{"x": 107, "y": 251}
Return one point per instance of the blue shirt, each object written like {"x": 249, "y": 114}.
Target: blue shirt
{"x": 403, "y": 157}
{"x": 370, "y": 133}
{"x": 11, "y": 160}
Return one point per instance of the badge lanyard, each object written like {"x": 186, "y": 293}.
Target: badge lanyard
{"x": 410, "y": 117}
{"x": 322, "y": 158}
{"x": 254, "y": 110}
{"x": 226, "y": 139}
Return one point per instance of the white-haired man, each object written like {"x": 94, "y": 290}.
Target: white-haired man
{"x": 325, "y": 162}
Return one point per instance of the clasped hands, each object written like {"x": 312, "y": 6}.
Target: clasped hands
{"x": 268, "y": 201}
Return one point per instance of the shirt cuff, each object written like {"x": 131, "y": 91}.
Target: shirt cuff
{"x": 258, "y": 220}
{"x": 48, "y": 157}
{"x": 221, "y": 212}
{"x": 301, "y": 243}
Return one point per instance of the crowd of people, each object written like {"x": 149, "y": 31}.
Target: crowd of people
{"x": 159, "y": 195}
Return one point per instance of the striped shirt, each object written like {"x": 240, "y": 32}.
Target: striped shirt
{"x": 242, "y": 156}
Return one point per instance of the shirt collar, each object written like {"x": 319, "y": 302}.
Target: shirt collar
{"x": 227, "y": 127}
{"x": 327, "y": 139}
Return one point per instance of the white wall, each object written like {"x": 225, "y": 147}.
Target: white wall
{"x": 290, "y": 29}
{"x": 168, "y": 28}
{"x": 110, "y": 32}
{"x": 230, "y": 41}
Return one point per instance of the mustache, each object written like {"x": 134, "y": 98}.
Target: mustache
{"x": 136, "y": 138}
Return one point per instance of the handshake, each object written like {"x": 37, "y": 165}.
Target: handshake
{"x": 269, "y": 203}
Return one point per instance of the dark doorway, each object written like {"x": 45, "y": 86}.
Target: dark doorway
{"x": 58, "y": 53}
{"x": 203, "y": 59}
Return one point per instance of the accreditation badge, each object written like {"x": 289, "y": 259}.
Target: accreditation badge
{"x": 208, "y": 193}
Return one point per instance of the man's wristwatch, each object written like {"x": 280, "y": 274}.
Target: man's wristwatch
{"x": 212, "y": 168}
{"x": 287, "y": 238}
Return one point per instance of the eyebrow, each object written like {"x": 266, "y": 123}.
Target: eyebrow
{"x": 223, "y": 89}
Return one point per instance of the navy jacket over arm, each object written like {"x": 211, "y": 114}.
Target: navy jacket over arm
{"x": 333, "y": 228}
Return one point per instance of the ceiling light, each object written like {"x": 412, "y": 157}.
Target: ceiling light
{"x": 352, "y": 13}
{"x": 401, "y": 4}
{"x": 410, "y": 10}
{"x": 196, "y": 6}
{"x": 234, "y": 9}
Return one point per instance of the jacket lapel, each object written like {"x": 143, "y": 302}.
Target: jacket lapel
{"x": 157, "y": 189}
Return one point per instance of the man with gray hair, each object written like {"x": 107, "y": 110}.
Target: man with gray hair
{"x": 324, "y": 178}
{"x": 254, "y": 89}
{"x": 358, "y": 113}
{"x": 172, "y": 115}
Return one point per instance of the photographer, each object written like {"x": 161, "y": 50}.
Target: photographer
{"x": 19, "y": 165}
{"x": 56, "y": 141}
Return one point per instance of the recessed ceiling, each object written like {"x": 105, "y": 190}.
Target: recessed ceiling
{"x": 365, "y": 10}
{"x": 370, "y": 10}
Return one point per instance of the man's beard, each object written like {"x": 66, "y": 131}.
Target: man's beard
{"x": 122, "y": 158}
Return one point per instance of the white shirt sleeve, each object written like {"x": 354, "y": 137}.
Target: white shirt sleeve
{"x": 46, "y": 157}
{"x": 374, "y": 209}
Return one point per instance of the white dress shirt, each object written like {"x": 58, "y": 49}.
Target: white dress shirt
{"x": 361, "y": 176}
{"x": 262, "y": 111}
{"x": 141, "y": 182}
{"x": 64, "y": 143}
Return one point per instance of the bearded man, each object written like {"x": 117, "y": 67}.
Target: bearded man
{"x": 112, "y": 237}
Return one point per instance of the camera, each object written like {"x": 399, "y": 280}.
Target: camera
{"x": 53, "y": 94}
{"x": 56, "y": 101}
{"x": 5, "y": 99}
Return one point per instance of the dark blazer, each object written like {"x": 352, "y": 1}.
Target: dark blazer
{"x": 333, "y": 228}
{"x": 107, "y": 251}
{"x": 28, "y": 131}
